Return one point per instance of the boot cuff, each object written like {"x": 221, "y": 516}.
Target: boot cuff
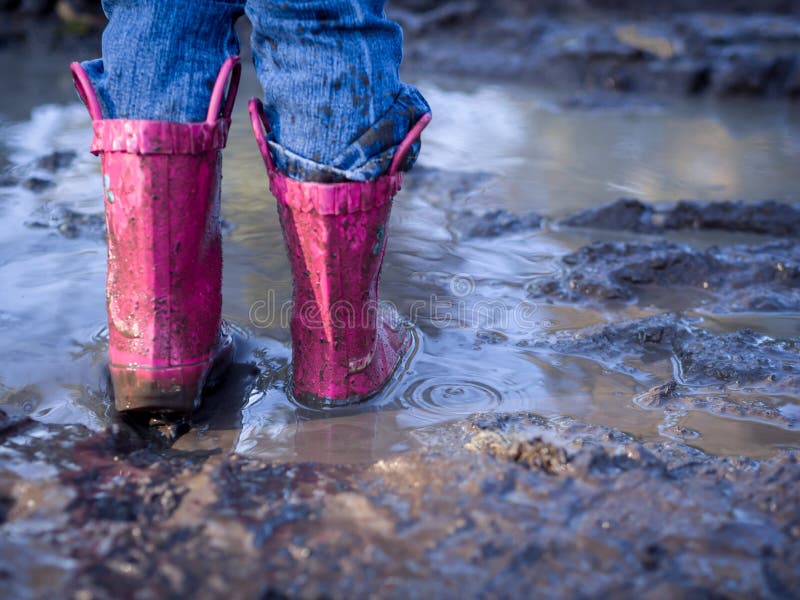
{"x": 334, "y": 198}
{"x": 158, "y": 137}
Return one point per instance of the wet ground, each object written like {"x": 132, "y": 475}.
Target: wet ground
{"x": 721, "y": 48}
{"x": 603, "y": 396}
{"x": 495, "y": 506}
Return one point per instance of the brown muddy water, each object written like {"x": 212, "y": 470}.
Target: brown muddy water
{"x": 478, "y": 330}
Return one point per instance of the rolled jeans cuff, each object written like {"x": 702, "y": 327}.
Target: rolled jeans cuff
{"x": 368, "y": 156}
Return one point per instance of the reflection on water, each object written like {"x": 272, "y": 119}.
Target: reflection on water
{"x": 472, "y": 322}
{"x": 559, "y": 160}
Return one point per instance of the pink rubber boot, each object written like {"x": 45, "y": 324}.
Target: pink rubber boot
{"x": 344, "y": 349}
{"x": 166, "y": 338}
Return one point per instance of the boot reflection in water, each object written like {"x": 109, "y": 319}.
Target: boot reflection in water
{"x": 336, "y": 129}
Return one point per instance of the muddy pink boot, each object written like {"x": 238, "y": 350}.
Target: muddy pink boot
{"x": 345, "y": 346}
{"x": 166, "y": 338}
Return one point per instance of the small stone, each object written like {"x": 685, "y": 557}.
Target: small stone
{"x": 657, "y": 396}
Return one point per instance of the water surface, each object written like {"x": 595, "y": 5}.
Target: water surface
{"x": 466, "y": 297}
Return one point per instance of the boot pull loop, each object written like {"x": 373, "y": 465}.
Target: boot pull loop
{"x": 231, "y": 70}
{"x": 408, "y": 141}
{"x": 86, "y": 91}
{"x": 261, "y": 130}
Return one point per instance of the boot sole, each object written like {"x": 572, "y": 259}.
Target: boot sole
{"x": 175, "y": 389}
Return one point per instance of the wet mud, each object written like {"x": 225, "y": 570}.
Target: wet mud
{"x": 760, "y": 277}
{"x": 495, "y": 222}
{"x": 677, "y": 48}
{"x": 767, "y": 217}
{"x": 560, "y": 506}
{"x": 740, "y": 374}
{"x": 556, "y": 504}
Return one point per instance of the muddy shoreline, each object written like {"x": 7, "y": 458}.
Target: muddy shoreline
{"x": 560, "y": 506}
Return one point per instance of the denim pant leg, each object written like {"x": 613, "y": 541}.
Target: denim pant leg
{"x": 161, "y": 58}
{"x": 333, "y": 96}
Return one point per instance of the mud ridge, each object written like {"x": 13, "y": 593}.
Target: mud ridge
{"x": 767, "y": 217}
{"x": 495, "y": 222}
{"x": 739, "y": 374}
{"x": 763, "y": 277}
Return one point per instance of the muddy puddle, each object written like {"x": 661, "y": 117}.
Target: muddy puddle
{"x": 671, "y": 339}
{"x": 481, "y": 264}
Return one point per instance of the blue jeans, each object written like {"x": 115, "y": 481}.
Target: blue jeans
{"x": 329, "y": 69}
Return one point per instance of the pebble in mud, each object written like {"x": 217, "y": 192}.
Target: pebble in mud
{"x": 534, "y": 453}
{"x": 763, "y": 277}
{"x": 659, "y": 395}
{"x": 594, "y": 512}
{"x": 629, "y": 214}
